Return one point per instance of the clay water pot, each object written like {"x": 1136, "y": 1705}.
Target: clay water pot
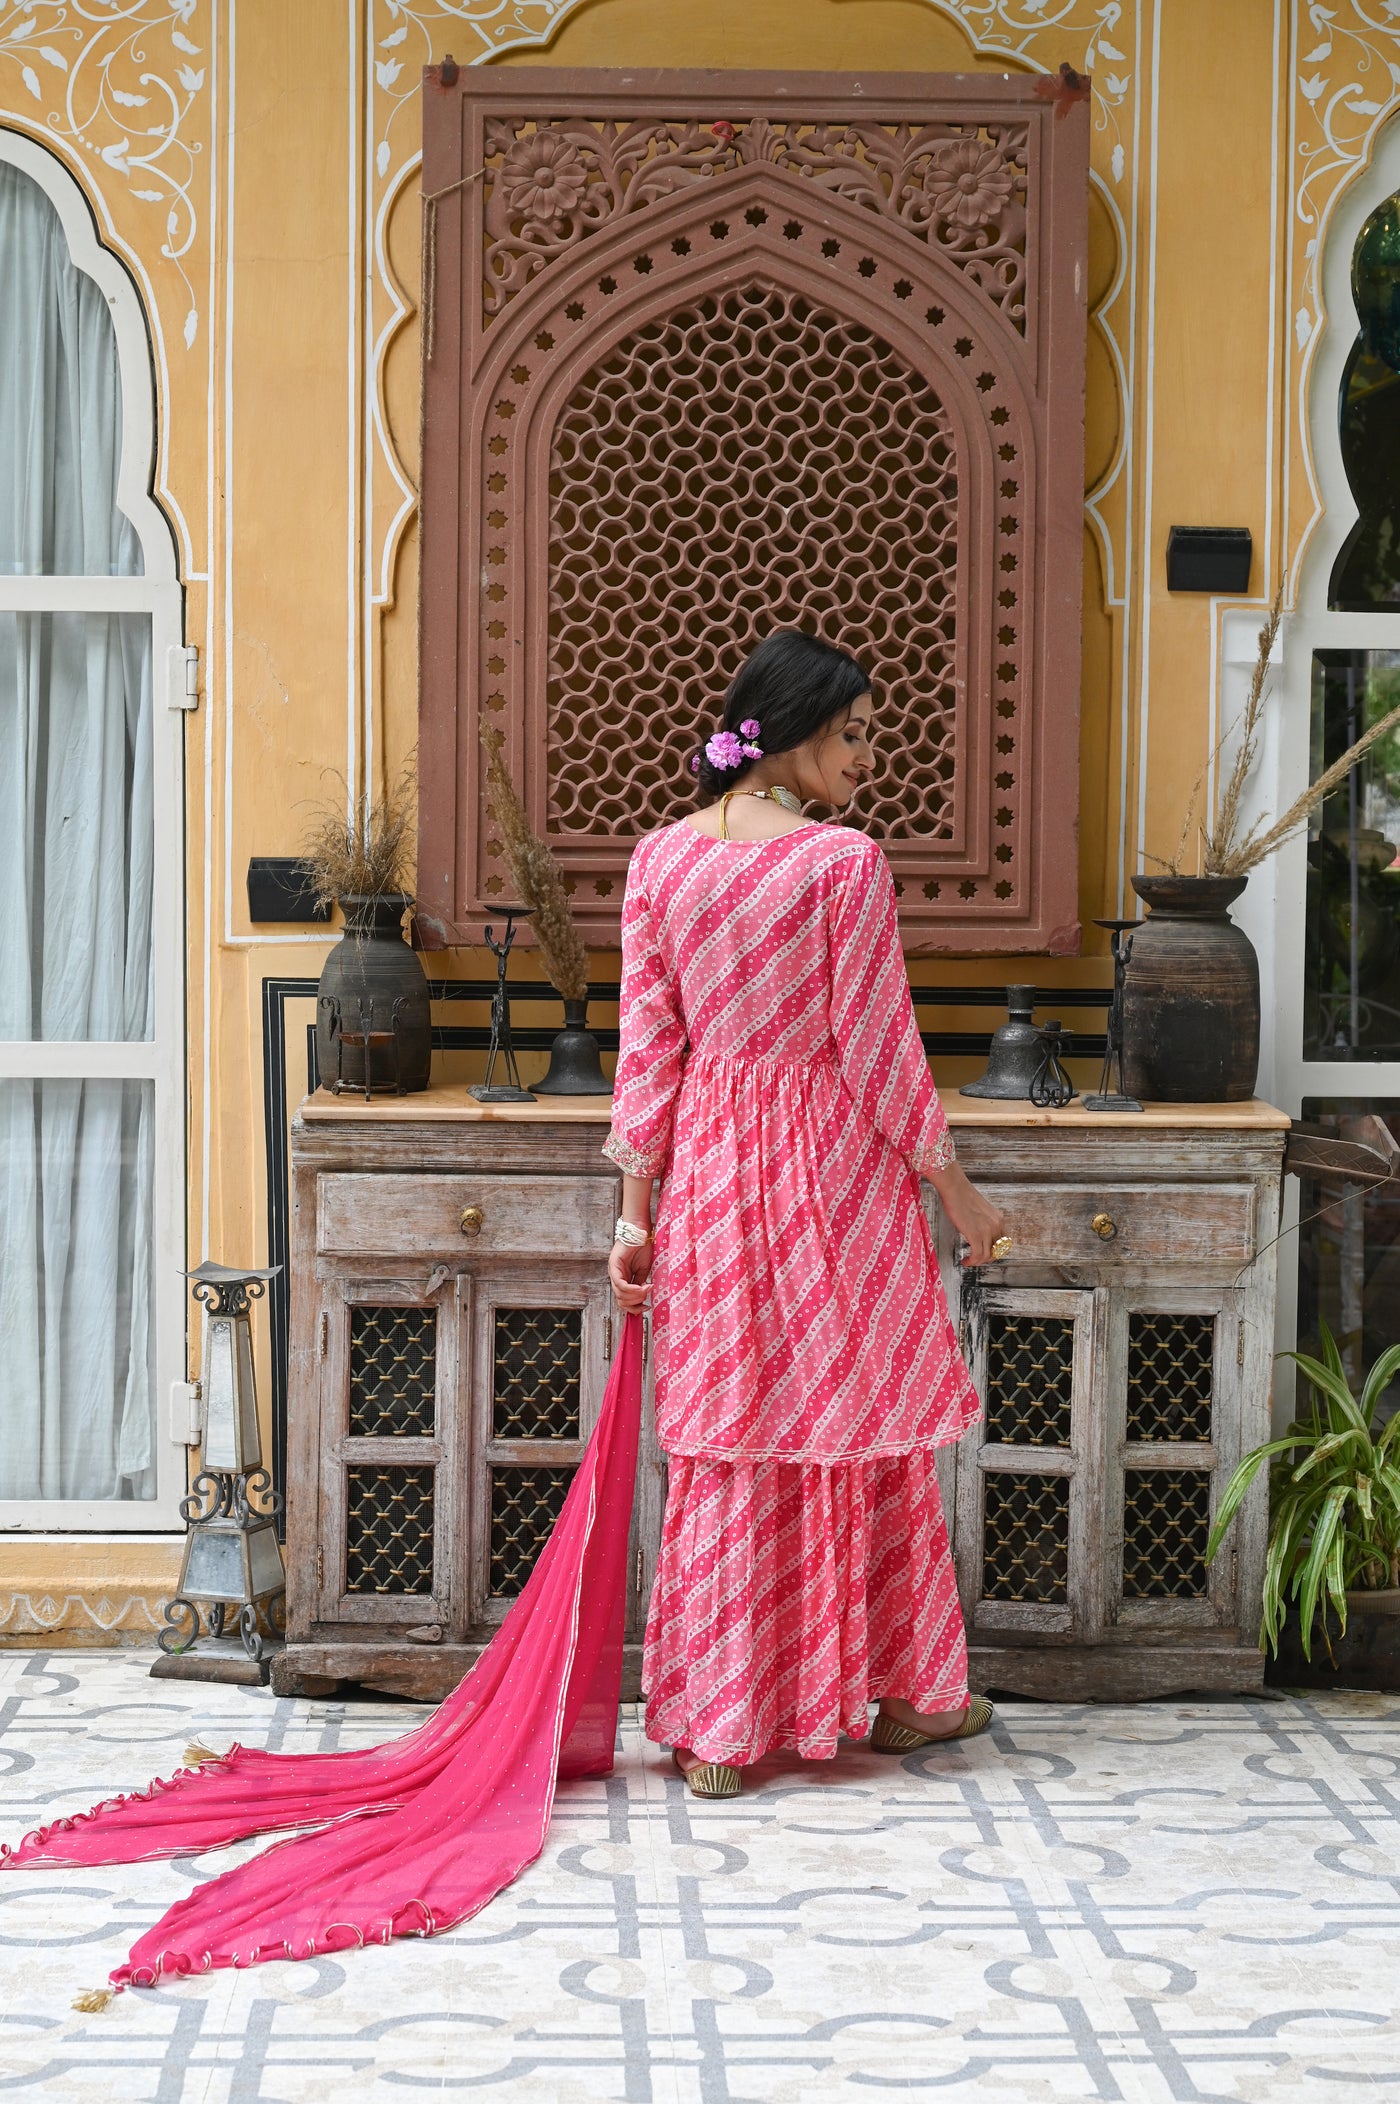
{"x": 1190, "y": 996}
{"x": 371, "y": 972}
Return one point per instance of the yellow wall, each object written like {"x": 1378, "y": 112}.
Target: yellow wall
{"x": 273, "y": 229}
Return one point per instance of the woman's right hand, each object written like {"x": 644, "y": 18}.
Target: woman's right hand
{"x": 629, "y": 1268}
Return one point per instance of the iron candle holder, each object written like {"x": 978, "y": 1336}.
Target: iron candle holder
{"x": 1051, "y": 1087}
{"x": 512, "y": 1090}
{"x": 1120, "y": 935}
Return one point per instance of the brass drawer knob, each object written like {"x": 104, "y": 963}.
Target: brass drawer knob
{"x": 1104, "y": 1226}
{"x": 473, "y": 1220}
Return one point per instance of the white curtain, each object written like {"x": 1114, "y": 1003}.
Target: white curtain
{"x": 76, "y": 847}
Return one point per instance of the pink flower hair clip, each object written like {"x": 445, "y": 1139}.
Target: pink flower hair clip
{"x": 727, "y": 750}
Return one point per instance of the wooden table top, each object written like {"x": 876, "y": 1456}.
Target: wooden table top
{"x": 453, "y": 1105}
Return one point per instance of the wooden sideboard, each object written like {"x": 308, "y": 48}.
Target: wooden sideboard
{"x": 1124, "y": 1353}
{"x": 452, "y": 1328}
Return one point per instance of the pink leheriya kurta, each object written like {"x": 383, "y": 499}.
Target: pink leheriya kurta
{"x": 771, "y": 1073}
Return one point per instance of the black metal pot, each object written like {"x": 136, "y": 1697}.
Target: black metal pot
{"x": 1368, "y": 1656}
{"x": 1190, "y": 996}
{"x": 373, "y": 1018}
{"x": 574, "y": 1066}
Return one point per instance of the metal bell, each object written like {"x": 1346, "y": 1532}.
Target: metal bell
{"x": 1016, "y": 1052}
{"x": 574, "y": 1066}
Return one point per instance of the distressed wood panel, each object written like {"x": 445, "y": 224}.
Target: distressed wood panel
{"x": 367, "y": 1216}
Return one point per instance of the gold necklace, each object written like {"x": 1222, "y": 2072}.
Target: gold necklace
{"x": 777, "y": 794}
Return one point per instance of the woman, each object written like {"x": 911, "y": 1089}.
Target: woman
{"x": 806, "y": 1370}
{"x": 771, "y": 1074}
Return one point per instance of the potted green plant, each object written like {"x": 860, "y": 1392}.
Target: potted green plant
{"x": 1334, "y": 1525}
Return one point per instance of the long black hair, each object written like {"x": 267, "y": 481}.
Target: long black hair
{"x": 791, "y": 685}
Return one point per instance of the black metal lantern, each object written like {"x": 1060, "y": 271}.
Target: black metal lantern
{"x": 233, "y": 1564}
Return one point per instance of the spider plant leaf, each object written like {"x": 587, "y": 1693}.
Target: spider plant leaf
{"x": 1331, "y": 1356}
{"x": 1333, "y": 1387}
{"x": 1312, "y": 1572}
{"x": 1327, "y": 1448}
{"x": 1237, "y": 1489}
{"x": 1378, "y": 1380}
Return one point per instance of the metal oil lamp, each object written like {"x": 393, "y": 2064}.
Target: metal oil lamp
{"x": 233, "y": 1564}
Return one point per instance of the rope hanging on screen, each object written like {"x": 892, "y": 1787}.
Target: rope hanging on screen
{"x": 431, "y": 200}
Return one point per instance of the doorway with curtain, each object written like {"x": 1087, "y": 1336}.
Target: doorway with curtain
{"x": 92, "y": 1155}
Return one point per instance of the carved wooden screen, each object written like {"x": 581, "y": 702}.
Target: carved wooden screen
{"x": 706, "y": 355}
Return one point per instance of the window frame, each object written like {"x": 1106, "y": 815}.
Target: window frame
{"x": 160, "y": 1059}
{"x": 458, "y": 363}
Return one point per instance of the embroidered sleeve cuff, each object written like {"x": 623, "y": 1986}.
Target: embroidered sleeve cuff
{"x": 631, "y": 1160}
{"x": 935, "y": 1155}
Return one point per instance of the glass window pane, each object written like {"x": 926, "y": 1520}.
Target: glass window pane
{"x": 77, "y": 832}
{"x": 1349, "y": 1250}
{"x": 60, "y": 403}
{"x": 1351, "y": 1001}
{"x": 76, "y": 1237}
{"x": 1367, "y": 571}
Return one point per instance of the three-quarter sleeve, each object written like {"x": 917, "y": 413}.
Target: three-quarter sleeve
{"x": 872, "y": 1020}
{"x": 651, "y": 1045}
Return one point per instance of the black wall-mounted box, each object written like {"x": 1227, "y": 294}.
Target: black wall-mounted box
{"x": 280, "y": 889}
{"x": 1209, "y": 559}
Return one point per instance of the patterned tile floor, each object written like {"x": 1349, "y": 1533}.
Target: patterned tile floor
{"x": 1187, "y": 1900}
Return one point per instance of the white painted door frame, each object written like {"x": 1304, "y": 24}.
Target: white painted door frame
{"x": 161, "y": 1059}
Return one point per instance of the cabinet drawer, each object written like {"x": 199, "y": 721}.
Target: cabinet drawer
{"x": 1201, "y": 1223}
{"x": 421, "y": 1216}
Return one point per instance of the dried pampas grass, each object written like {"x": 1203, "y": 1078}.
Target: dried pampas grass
{"x": 1225, "y": 850}
{"x": 1222, "y": 844}
{"x": 353, "y": 853}
{"x": 538, "y": 877}
{"x": 1261, "y": 840}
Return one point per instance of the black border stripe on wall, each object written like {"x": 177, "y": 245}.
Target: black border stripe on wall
{"x": 475, "y": 1037}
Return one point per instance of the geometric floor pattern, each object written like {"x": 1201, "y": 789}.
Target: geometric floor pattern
{"x": 1183, "y": 1900}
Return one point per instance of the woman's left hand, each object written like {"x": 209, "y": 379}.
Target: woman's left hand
{"x": 629, "y": 1268}
{"x": 976, "y": 1219}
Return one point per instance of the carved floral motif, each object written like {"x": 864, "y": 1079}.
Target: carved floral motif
{"x": 542, "y": 179}
{"x": 960, "y": 187}
{"x": 968, "y": 184}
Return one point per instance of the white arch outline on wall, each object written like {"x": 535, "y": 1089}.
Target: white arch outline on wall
{"x": 161, "y": 1059}
{"x": 135, "y": 346}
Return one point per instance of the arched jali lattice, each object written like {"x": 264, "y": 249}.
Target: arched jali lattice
{"x": 811, "y": 358}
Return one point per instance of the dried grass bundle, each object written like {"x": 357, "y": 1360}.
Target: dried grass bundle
{"x": 1228, "y": 852}
{"x": 1221, "y": 842}
{"x": 538, "y": 877}
{"x": 1257, "y": 844}
{"x": 354, "y": 853}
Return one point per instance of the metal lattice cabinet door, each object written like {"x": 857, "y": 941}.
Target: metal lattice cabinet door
{"x": 389, "y": 1382}
{"x": 1174, "y": 1368}
{"x": 1024, "y": 1524}
{"x": 542, "y": 1339}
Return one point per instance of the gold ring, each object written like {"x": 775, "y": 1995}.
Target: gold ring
{"x": 1001, "y": 1248}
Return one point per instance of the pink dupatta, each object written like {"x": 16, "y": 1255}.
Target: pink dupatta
{"x": 413, "y": 1837}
